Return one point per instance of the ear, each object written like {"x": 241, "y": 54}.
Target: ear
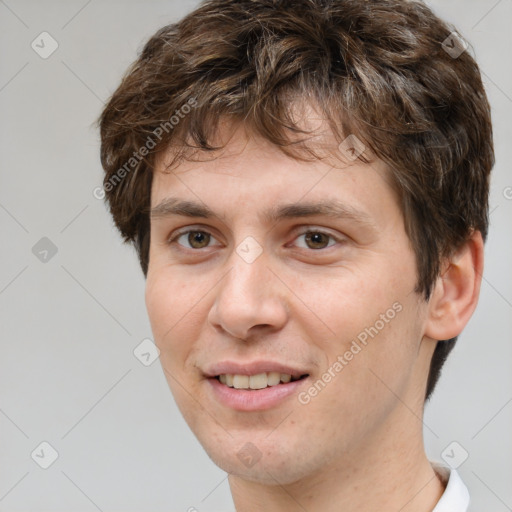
{"x": 455, "y": 294}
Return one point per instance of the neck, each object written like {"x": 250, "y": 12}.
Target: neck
{"x": 388, "y": 473}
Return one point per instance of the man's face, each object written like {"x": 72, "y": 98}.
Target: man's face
{"x": 243, "y": 294}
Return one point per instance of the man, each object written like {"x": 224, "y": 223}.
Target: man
{"x": 306, "y": 183}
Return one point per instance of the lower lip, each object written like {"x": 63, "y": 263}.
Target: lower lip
{"x": 253, "y": 400}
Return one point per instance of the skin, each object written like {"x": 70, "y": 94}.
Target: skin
{"x": 358, "y": 444}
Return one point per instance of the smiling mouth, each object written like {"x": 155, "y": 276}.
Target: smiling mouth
{"x": 257, "y": 381}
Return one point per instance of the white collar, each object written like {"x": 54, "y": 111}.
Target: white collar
{"x": 456, "y": 496}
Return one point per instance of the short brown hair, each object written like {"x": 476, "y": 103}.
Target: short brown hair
{"x": 381, "y": 70}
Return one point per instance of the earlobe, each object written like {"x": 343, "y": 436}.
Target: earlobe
{"x": 455, "y": 294}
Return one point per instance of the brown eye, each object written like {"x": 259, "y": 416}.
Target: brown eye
{"x": 195, "y": 239}
{"x": 198, "y": 239}
{"x": 317, "y": 239}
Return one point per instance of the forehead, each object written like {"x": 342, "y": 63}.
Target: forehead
{"x": 250, "y": 173}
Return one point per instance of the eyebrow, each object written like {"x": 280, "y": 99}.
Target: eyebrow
{"x": 330, "y": 208}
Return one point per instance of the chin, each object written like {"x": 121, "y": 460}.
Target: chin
{"x": 269, "y": 465}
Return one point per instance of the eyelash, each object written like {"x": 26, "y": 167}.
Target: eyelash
{"x": 179, "y": 234}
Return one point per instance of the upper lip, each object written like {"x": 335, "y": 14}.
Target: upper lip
{"x": 252, "y": 368}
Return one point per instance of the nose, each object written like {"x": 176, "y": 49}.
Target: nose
{"x": 250, "y": 299}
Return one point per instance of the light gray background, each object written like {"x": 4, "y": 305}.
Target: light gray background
{"x": 69, "y": 326}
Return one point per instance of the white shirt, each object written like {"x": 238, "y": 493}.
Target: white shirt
{"x": 456, "y": 496}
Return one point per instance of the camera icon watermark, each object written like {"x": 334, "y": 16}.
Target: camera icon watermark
{"x": 352, "y": 147}
{"x": 44, "y": 455}
{"x": 454, "y": 45}
{"x": 44, "y": 250}
{"x": 249, "y": 249}
{"x": 454, "y": 455}
{"x": 44, "y": 45}
{"x": 146, "y": 352}
{"x": 249, "y": 454}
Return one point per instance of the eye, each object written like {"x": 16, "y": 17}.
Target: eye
{"x": 197, "y": 239}
{"x": 317, "y": 240}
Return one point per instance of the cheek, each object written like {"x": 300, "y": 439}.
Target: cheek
{"x": 374, "y": 331}
{"x": 173, "y": 303}
{"x": 171, "y": 297}
{"x": 363, "y": 391}
{"x": 174, "y": 306}
{"x": 344, "y": 304}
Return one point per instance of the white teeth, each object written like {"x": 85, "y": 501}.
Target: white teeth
{"x": 273, "y": 378}
{"x": 240, "y": 381}
{"x": 258, "y": 381}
